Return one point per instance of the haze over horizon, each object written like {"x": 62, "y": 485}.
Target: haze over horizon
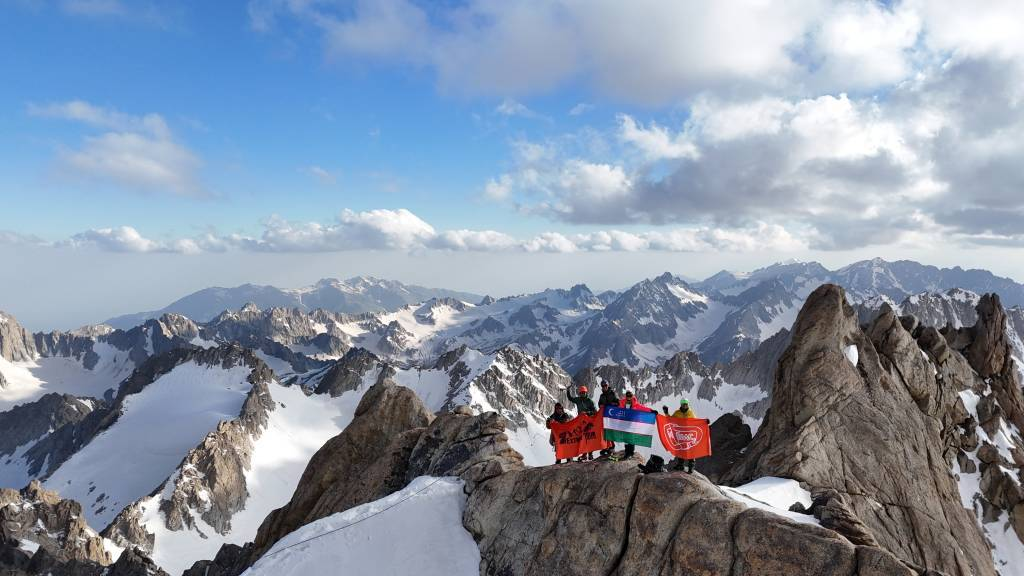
{"x": 150, "y": 149}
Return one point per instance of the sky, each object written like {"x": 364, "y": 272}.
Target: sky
{"x": 149, "y": 149}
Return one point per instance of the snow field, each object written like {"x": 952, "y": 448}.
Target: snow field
{"x": 297, "y": 428}
{"x": 417, "y": 530}
{"x": 154, "y": 432}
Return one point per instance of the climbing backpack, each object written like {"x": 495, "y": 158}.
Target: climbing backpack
{"x": 654, "y": 464}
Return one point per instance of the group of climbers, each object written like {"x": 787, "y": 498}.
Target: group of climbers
{"x": 608, "y": 397}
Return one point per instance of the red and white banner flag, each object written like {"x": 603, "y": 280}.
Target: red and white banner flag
{"x": 686, "y": 438}
{"x": 581, "y": 435}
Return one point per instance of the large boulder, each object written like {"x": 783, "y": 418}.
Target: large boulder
{"x": 605, "y": 518}
{"x": 864, "y": 415}
{"x": 729, "y": 437}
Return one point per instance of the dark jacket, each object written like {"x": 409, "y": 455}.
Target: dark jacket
{"x": 584, "y": 405}
{"x": 608, "y": 398}
{"x": 556, "y": 417}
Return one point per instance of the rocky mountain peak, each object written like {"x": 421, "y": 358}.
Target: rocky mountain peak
{"x": 844, "y": 401}
{"x": 54, "y": 525}
{"x": 16, "y": 343}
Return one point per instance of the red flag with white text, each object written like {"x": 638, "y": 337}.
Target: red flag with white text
{"x": 686, "y": 438}
{"x": 581, "y": 435}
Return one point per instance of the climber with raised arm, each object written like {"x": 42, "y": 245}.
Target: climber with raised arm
{"x": 584, "y": 405}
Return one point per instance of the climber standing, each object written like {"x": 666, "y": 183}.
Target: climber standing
{"x": 584, "y": 405}
{"x": 607, "y": 398}
{"x": 685, "y": 411}
{"x": 560, "y": 416}
{"x": 631, "y": 403}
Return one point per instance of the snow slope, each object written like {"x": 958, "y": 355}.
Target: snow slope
{"x": 297, "y": 428}
{"x": 775, "y": 495}
{"x": 28, "y": 381}
{"x": 417, "y": 530}
{"x": 155, "y": 431}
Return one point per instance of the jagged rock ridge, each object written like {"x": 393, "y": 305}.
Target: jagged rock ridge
{"x": 874, "y": 421}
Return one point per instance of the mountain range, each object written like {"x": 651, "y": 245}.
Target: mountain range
{"x": 185, "y": 440}
{"x": 353, "y": 296}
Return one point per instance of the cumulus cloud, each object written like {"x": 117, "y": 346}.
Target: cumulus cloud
{"x": 648, "y": 51}
{"x": 138, "y": 153}
{"x": 939, "y": 156}
{"x": 654, "y": 141}
{"x": 401, "y": 230}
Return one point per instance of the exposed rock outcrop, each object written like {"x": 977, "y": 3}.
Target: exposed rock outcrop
{"x": 27, "y": 423}
{"x": 16, "y": 344}
{"x": 729, "y": 437}
{"x": 210, "y": 482}
{"x": 392, "y": 440}
{"x": 865, "y": 415}
{"x": 516, "y": 384}
{"x": 604, "y": 518}
{"x": 55, "y": 525}
{"x": 347, "y": 373}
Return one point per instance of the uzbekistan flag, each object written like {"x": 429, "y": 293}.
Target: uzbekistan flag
{"x": 635, "y": 427}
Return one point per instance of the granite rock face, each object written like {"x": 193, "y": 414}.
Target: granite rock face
{"x": 605, "y": 518}
{"x": 729, "y": 437}
{"x": 864, "y": 414}
{"x": 16, "y": 343}
{"x": 56, "y": 525}
{"x": 29, "y": 422}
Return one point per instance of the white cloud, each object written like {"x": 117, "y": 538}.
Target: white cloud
{"x": 324, "y": 175}
{"x": 973, "y": 29}
{"x": 473, "y": 240}
{"x": 401, "y": 230}
{"x": 550, "y": 242}
{"x": 371, "y": 230}
{"x": 120, "y": 239}
{"x": 511, "y": 107}
{"x": 655, "y": 142}
{"x": 137, "y": 152}
{"x": 581, "y": 109}
{"x": 498, "y": 188}
{"x": 866, "y": 45}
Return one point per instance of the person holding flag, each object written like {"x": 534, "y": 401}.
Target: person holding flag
{"x": 684, "y": 435}
{"x": 637, "y": 427}
{"x": 584, "y": 405}
{"x": 558, "y": 416}
{"x": 607, "y": 398}
{"x": 685, "y": 411}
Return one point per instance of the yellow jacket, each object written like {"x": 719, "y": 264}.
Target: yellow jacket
{"x": 688, "y": 414}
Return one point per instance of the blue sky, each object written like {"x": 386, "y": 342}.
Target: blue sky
{"x": 152, "y": 148}
{"x": 261, "y": 110}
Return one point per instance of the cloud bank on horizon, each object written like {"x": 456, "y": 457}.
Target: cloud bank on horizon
{"x": 722, "y": 126}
